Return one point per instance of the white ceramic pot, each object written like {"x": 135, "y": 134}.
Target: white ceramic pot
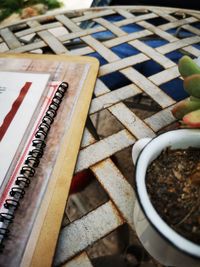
{"x": 161, "y": 241}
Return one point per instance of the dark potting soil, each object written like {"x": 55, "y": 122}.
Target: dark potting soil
{"x": 172, "y": 193}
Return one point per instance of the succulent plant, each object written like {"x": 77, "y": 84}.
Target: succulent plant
{"x": 188, "y": 110}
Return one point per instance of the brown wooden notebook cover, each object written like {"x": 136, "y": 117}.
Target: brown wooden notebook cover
{"x": 35, "y": 229}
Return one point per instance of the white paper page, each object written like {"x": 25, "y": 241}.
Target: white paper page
{"x": 20, "y": 94}
{"x": 52, "y": 87}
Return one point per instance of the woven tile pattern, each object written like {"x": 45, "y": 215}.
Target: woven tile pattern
{"x": 155, "y": 35}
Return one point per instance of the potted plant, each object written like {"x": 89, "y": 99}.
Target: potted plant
{"x": 167, "y": 211}
{"x": 16, "y": 9}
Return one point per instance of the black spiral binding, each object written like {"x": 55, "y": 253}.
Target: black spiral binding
{"x": 27, "y": 171}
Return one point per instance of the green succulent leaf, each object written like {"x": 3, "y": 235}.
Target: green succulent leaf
{"x": 185, "y": 106}
{"x": 192, "y": 119}
{"x": 188, "y": 67}
{"x": 193, "y": 98}
{"x": 192, "y": 85}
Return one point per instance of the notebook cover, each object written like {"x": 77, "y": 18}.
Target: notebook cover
{"x": 34, "y": 233}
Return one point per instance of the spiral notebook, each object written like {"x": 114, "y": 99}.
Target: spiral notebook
{"x": 44, "y": 101}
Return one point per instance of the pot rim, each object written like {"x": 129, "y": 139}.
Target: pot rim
{"x": 151, "y": 214}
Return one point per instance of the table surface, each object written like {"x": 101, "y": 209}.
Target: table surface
{"x": 71, "y": 33}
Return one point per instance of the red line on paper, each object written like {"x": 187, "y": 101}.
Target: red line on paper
{"x": 11, "y": 114}
{"x": 13, "y": 176}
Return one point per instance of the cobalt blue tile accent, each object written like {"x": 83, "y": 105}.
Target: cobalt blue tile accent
{"x": 148, "y": 68}
{"x": 125, "y": 50}
{"x": 175, "y": 89}
{"x": 115, "y": 80}
{"x": 132, "y": 28}
{"x": 155, "y": 42}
